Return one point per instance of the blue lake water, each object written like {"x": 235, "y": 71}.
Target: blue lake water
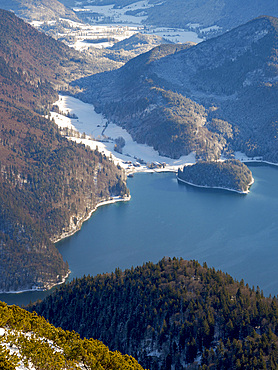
{"x": 235, "y": 233}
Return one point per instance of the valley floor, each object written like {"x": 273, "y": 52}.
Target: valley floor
{"x": 93, "y": 130}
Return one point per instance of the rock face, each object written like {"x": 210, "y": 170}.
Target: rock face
{"x": 231, "y": 175}
{"x": 215, "y": 97}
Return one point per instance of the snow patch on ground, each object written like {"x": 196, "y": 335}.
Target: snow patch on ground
{"x": 210, "y": 29}
{"x": 87, "y": 36}
{"x": 176, "y": 35}
{"x": 97, "y": 132}
{"x": 9, "y": 340}
{"x": 119, "y": 14}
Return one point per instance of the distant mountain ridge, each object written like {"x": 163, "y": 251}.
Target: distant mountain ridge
{"x": 137, "y": 40}
{"x": 179, "y": 13}
{"x": 214, "y": 98}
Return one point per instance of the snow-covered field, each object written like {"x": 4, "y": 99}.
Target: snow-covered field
{"x": 176, "y": 35}
{"x": 113, "y": 24}
{"x": 118, "y": 14}
{"x": 86, "y": 36}
{"x": 96, "y": 132}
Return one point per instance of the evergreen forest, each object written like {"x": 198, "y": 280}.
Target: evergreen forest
{"x": 172, "y": 314}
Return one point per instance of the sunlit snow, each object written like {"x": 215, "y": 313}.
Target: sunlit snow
{"x": 101, "y": 134}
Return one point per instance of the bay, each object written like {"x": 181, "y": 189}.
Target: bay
{"x": 235, "y": 233}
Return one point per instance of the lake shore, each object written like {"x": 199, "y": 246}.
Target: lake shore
{"x": 82, "y": 220}
{"x": 127, "y": 161}
{"x": 36, "y": 289}
{"x": 217, "y": 187}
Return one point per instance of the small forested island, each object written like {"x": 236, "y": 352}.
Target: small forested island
{"x": 230, "y": 175}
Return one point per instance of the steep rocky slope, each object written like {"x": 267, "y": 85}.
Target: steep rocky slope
{"x": 48, "y": 185}
{"x": 215, "y": 97}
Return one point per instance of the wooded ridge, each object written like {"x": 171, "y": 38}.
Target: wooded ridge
{"x": 213, "y": 98}
{"x": 174, "y": 313}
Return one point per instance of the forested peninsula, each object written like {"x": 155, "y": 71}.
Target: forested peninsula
{"x": 230, "y": 175}
{"x": 48, "y": 184}
{"x": 172, "y": 314}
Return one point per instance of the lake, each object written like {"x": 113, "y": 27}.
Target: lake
{"x": 235, "y": 233}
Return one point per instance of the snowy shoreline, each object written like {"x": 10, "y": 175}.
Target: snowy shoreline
{"x": 216, "y": 187}
{"x": 93, "y": 122}
{"x": 100, "y": 134}
{"x": 50, "y": 286}
{"x": 103, "y": 203}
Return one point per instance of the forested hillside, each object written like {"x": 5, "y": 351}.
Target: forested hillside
{"x": 173, "y": 314}
{"x": 213, "y": 98}
{"x": 180, "y": 13}
{"x": 28, "y": 341}
{"x": 230, "y": 174}
{"x": 38, "y": 10}
{"x": 48, "y": 185}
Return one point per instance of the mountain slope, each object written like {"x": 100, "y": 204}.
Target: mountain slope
{"x": 179, "y": 13}
{"x": 27, "y": 341}
{"x": 173, "y": 314}
{"x": 48, "y": 185}
{"x": 232, "y": 79}
{"x": 139, "y": 40}
{"x": 224, "y": 13}
{"x": 38, "y": 10}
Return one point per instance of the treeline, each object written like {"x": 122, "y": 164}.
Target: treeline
{"x": 175, "y": 313}
{"x": 38, "y": 345}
